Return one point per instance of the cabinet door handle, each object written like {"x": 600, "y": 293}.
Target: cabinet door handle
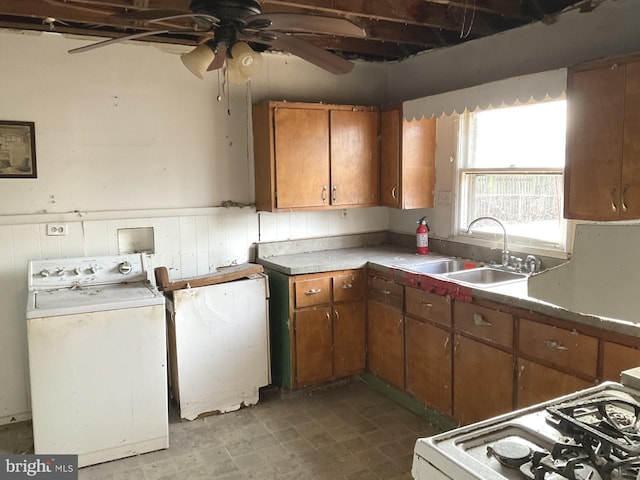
{"x": 347, "y": 286}
{"x": 427, "y": 304}
{"x": 614, "y": 207}
{"x": 386, "y": 292}
{"x": 313, "y": 291}
{"x": 555, "y": 345}
{"x": 337, "y": 314}
{"x": 324, "y": 194}
{"x": 624, "y": 192}
{"x": 479, "y": 320}
{"x": 328, "y": 319}
{"x": 393, "y": 193}
{"x": 520, "y": 371}
{"x": 335, "y": 193}
{"x": 446, "y": 342}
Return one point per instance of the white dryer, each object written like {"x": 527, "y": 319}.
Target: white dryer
{"x": 97, "y": 358}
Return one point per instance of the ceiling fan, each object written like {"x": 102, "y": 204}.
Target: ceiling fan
{"x": 229, "y": 28}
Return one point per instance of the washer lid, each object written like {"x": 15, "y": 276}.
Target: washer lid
{"x": 68, "y": 301}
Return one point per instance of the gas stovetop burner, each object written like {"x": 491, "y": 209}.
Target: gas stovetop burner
{"x": 509, "y": 453}
{"x": 612, "y": 421}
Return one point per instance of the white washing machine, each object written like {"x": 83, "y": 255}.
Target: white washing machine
{"x": 97, "y": 358}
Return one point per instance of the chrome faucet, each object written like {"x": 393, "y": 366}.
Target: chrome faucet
{"x": 505, "y": 249}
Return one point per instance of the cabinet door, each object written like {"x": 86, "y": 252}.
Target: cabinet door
{"x": 428, "y": 351}
{"x": 616, "y": 358}
{"x": 595, "y": 115}
{"x": 483, "y": 381}
{"x": 418, "y": 163}
{"x": 348, "y": 338}
{"x": 537, "y": 383}
{"x": 302, "y": 157}
{"x": 630, "y": 202}
{"x": 355, "y": 156}
{"x": 385, "y": 342}
{"x": 390, "y": 158}
{"x": 313, "y": 336}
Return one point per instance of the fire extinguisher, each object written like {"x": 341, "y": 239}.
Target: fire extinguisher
{"x": 422, "y": 237}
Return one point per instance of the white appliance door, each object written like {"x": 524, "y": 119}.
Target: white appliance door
{"x": 222, "y": 345}
{"x": 98, "y": 383}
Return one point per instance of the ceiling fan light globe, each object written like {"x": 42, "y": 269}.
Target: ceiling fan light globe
{"x": 234, "y": 74}
{"x": 247, "y": 61}
{"x": 198, "y": 60}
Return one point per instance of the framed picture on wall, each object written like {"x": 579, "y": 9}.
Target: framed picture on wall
{"x": 17, "y": 149}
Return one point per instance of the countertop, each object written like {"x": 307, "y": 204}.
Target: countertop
{"x": 387, "y": 258}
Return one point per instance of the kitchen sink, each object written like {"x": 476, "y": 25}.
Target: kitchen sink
{"x": 485, "y": 276}
{"x": 441, "y": 267}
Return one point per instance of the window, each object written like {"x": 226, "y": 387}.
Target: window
{"x": 511, "y": 162}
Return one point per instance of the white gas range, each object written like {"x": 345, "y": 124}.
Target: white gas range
{"x": 593, "y": 434}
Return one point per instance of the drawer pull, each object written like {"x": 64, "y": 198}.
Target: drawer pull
{"x": 555, "y": 345}
{"x": 479, "y": 320}
{"x": 347, "y": 286}
{"x": 386, "y": 292}
{"x": 313, "y": 291}
{"x": 427, "y": 304}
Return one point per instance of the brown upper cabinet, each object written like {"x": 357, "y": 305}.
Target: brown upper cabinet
{"x": 602, "y": 175}
{"x": 315, "y": 156}
{"x": 407, "y": 160}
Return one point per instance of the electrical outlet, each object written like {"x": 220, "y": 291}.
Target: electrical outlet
{"x": 56, "y": 229}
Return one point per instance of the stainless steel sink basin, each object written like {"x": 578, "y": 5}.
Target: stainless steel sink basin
{"x": 485, "y": 276}
{"x": 438, "y": 268}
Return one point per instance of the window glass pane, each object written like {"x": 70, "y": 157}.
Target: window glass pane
{"x": 529, "y": 205}
{"x": 523, "y": 136}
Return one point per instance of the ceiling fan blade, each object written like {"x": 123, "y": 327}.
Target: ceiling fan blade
{"x": 156, "y": 16}
{"x": 297, "y": 22}
{"x": 221, "y": 55}
{"x": 305, "y": 50}
{"x": 133, "y": 36}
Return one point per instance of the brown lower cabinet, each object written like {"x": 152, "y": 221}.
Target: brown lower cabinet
{"x": 428, "y": 364}
{"x": 314, "y": 352}
{"x": 616, "y": 358}
{"x": 348, "y": 338}
{"x": 385, "y": 342}
{"x": 482, "y": 381}
{"x": 537, "y": 383}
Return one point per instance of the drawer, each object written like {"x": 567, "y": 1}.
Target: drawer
{"x": 385, "y": 291}
{"x": 428, "y": 306}
{"x": 348, "y": 286}
{"x": 313, "y": 291}
{"x": 484, "y": 323}
{"x": 568, "y": 350}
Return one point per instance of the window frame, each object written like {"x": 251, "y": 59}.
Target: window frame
{"x": 552, "y": 249}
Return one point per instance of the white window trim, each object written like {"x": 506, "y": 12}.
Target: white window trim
{"x": 495, "y": 241}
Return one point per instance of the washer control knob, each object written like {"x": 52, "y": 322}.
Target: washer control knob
{"x": 45, "y": 273}
{"x": 60, "y": 272}
{"x": 93, "y": 269}
{"x": 76, "y": 271}
{"x": 125, "y": 268}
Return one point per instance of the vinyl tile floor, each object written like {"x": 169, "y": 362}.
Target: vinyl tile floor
{"x": 345, "y": 431}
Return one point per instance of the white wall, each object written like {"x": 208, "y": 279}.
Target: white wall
{"x": 126, "y": 137}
